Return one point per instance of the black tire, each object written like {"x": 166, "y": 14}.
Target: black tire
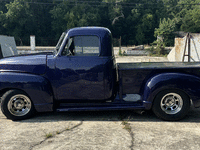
{"x": 171, "y": 105}
{"x": 16, "y": 105}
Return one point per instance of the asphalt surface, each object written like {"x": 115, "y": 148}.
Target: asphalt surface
{"x": 109, "y": 130}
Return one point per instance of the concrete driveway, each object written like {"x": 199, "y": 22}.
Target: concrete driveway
{"x": 110, "y": 130}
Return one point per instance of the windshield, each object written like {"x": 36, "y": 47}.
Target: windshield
{"x": 60, "y": 41}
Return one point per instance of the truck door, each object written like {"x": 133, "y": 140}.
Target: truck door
{"x": 80, "y": 70}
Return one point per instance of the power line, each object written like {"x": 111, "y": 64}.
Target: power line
{"x": 102, "y": 4}
{"x": 41, "y": 3}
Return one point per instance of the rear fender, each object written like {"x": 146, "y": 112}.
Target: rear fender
{"x": 186, "y": 83}
{"x": 37, "y": 87}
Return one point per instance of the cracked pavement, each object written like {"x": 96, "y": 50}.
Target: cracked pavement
{"x": 100, "y": 130}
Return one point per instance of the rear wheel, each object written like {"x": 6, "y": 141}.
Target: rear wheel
{"x": 171, "y": 105}
{"x": 16, "y": 105}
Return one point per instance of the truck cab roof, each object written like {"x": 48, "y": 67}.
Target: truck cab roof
{"x": 100, "y": 31}
{"x": 104, "y": 35}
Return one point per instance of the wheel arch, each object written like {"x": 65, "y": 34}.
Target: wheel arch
{"x": 36, "y": 87}
{"x": 3, "y": 91}
{"x": 188, "y": 84}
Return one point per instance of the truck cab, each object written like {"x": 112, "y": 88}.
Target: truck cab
{"x": 85, "y": 68}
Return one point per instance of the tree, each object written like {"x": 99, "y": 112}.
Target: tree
{"x": 191, "y": 21}
{"x": 66, "y": 16}
{"x": 17, "y": 20}
{"x": 135, "y": 21}
{"x": 190, "y": 16}
{"x": 23, "y": 18}
{"x": 145, "y": 29}
{"x": 166, "y": 29}
{"x": 2, "y": 19}
{"x": 41, "y": 21}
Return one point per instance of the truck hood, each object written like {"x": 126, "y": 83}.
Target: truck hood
{"x": 35, "y": 64}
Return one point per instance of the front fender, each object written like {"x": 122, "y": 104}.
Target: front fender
{"x": 187, "y": 83}
{"x": 37, "y": 87}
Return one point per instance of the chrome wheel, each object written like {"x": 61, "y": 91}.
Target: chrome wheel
{"x": 171, "y": 103}
{"x": 19, "y": 105}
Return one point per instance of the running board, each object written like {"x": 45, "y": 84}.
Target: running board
{"x": 99, "y": 106}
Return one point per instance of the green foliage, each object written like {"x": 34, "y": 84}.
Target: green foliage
{"x": 166, "y": 29}
{"x": 135, "y": 21}
{"x": 49, "y": 135}
{"x": 167, "y": 26}
{"x": 190, "y": 18}
{"x": 157, "y": 48}
{"x": 145, "y": 28}
{"x": 65, "y": 17}
{"x": 23, "y": 19}
{"x": 2, "y": 18}
{"x": 183, "y": 15}
{"x": 160, "y": 47}
{"x": 18, "y": 19}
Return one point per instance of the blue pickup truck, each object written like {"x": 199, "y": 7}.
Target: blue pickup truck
{"x": 82, "y": 75}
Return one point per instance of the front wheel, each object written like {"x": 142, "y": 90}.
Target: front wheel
{"x": 171, "y": 105}
{"x": 16, "y": 105}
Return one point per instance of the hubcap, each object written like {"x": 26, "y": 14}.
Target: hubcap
{"x": 19, "y": 105}
{"x": 171, "y": 103}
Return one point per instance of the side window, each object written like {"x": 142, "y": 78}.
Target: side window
{"x": 82, "y": 46}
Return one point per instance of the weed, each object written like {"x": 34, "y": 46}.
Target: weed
{"x": 124, "y": 122}
{"x": 120, "y": 52}
{"x": 157, "y": 48}
{"x": 126, "y": 126}
{"x": 48, "y": 135}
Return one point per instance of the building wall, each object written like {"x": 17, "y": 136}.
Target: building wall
{"x": 177, "y": 53}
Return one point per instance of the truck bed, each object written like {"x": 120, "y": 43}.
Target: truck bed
{"x": 133, "y": 75}
{"x": 157, "y": 65}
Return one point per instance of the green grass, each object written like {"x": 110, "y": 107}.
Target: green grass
{"x": 126, "y": 126}
{"x": 49, "y": 135}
